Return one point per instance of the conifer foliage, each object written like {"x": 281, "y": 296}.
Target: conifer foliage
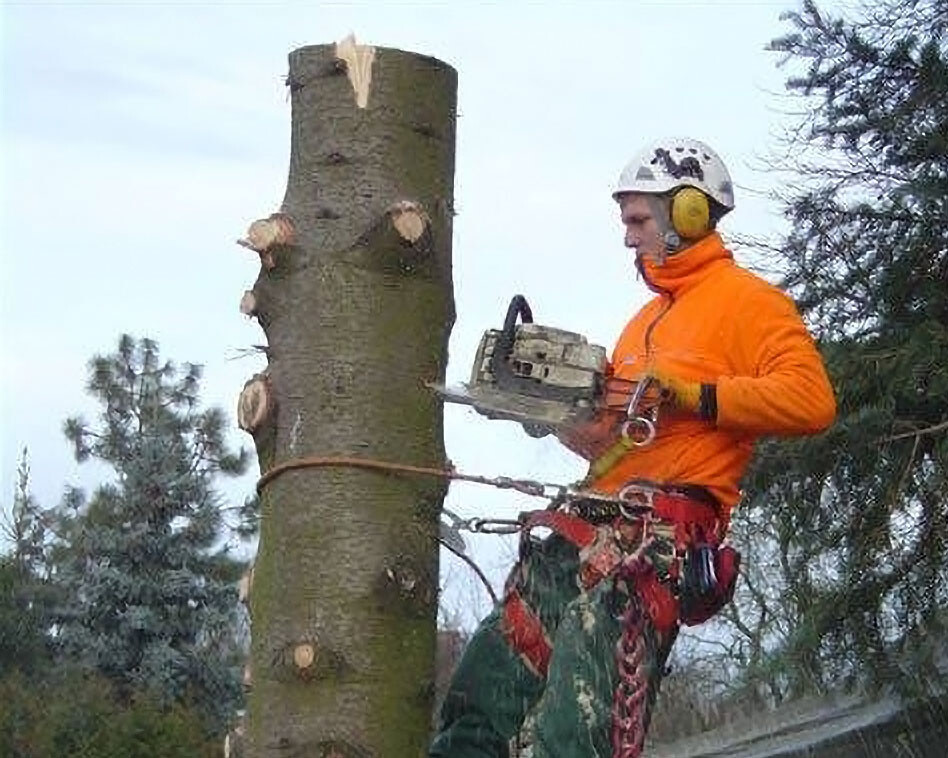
{"x": 850, "y": 530}
{"x": 146, "y": 592}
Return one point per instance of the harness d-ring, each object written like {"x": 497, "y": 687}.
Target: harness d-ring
{"x": 643, "y": 424}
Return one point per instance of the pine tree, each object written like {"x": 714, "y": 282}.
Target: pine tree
{"x": 23, "y": 591}
{"x": 147, "y": 593}
{"x": 851, "y": 528}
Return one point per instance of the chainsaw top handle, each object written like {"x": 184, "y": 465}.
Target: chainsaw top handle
{"x": 518, "y": 307}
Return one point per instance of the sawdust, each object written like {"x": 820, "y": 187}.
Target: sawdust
{"x": 585, "y": 699}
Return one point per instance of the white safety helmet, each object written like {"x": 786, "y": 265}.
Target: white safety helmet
{"x": 668, "y": 164}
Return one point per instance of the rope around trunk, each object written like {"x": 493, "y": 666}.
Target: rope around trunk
{"x": 526, "y": 486}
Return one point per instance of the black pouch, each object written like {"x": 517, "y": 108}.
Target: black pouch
{"x": 709, "y": 576}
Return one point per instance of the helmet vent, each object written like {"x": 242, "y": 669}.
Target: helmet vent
{"x": 686, "y": 167}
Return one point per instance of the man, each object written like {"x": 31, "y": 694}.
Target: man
{"x": 733, "y": 361}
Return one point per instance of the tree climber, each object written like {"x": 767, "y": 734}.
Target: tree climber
{"x": 590, "y": 613}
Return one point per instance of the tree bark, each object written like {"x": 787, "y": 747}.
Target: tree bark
{"x": 355, "y": 296}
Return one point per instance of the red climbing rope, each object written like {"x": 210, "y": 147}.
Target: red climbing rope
{"x": 630, "y": 699}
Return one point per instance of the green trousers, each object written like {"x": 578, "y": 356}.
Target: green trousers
{"x": 566, "y": 682}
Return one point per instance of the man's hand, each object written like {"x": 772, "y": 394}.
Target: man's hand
{"x": 681, "y": 394}
{"x": 694, "y": 397}
{"x": 670, "y": 388}
{"x": 590, "y": 439}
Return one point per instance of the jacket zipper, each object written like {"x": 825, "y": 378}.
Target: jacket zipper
{"x": 608, "y": 460}
{"x": 661, "y": 314}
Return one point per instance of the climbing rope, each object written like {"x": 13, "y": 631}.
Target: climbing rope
{"x": 475, "y": 568}
{"x": 630, "y": 698}
{"x": 525, "y": 486}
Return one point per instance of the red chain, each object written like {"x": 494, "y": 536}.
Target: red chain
{"x": 631, "y": 695}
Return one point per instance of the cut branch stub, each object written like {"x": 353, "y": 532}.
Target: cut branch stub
{"x": 409, "y": 220}
{"x": 255, "y": 403}
{"x": 335, "y": 749}
{"x": 307, "y": 659}
{"x": 266, "y": 233}
{"x": 358, "y": 64}
{"x": 405, "y": 586}
{"x": 245, "y": 586}
{"x": 304, "y": 655}
{"x": 248, "y": 303}
{"x": 248, "y": 677}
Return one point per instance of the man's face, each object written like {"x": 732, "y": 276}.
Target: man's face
{"x": 642, "y": 231}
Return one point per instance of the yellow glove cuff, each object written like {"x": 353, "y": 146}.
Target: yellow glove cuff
{"x": 685, "y": 395}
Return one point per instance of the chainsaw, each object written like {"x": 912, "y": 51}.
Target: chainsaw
{"x": 537, "y": 375}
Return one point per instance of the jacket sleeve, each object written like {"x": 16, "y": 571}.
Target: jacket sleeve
{"x": 786, "y": 391}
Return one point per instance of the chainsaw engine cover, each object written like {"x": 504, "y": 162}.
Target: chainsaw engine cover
{"x": 549, "y": 377}
{"x": 543, "y": 362}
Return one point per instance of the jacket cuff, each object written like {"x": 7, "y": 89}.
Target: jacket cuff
{"x": 708, "y": 406}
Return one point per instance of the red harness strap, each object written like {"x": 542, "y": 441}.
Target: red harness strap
{"x": 598, "y": 549}
{"x": 687, "y": 514}
{"x": 599, "y": 554}
{"x": 577, "y": 530}
{"x": 524, "y": 632}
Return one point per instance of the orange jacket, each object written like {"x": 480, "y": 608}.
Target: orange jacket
{"x": 717, "y": 323}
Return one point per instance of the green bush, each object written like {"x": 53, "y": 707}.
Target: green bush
{"x": 82, "y": 716}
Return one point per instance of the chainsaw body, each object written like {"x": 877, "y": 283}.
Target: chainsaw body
{"x": 540, "y": 376}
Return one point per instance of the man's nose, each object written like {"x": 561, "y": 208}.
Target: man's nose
{"x": 631, "y": 240}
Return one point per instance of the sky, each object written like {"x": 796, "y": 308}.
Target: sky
{"x": 139, "y": 139}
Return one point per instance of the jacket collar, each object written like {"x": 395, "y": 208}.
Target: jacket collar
{"x": 685, "y": 269}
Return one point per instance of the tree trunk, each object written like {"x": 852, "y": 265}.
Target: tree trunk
{"x": 355, "y": 296}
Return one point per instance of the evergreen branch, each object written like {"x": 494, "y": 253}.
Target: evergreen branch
{"x": 918, "y": 432}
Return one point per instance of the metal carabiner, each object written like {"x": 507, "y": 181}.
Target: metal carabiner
{"x": 636, "y": 397}
{"x": 640, "y": 422}
{"x": 639, "y": 429}
{"x": 493, "y": 525}
{"x": 635, "y": 501}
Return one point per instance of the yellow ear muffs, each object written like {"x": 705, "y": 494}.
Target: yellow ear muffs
{"x": 690, "y": 213}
